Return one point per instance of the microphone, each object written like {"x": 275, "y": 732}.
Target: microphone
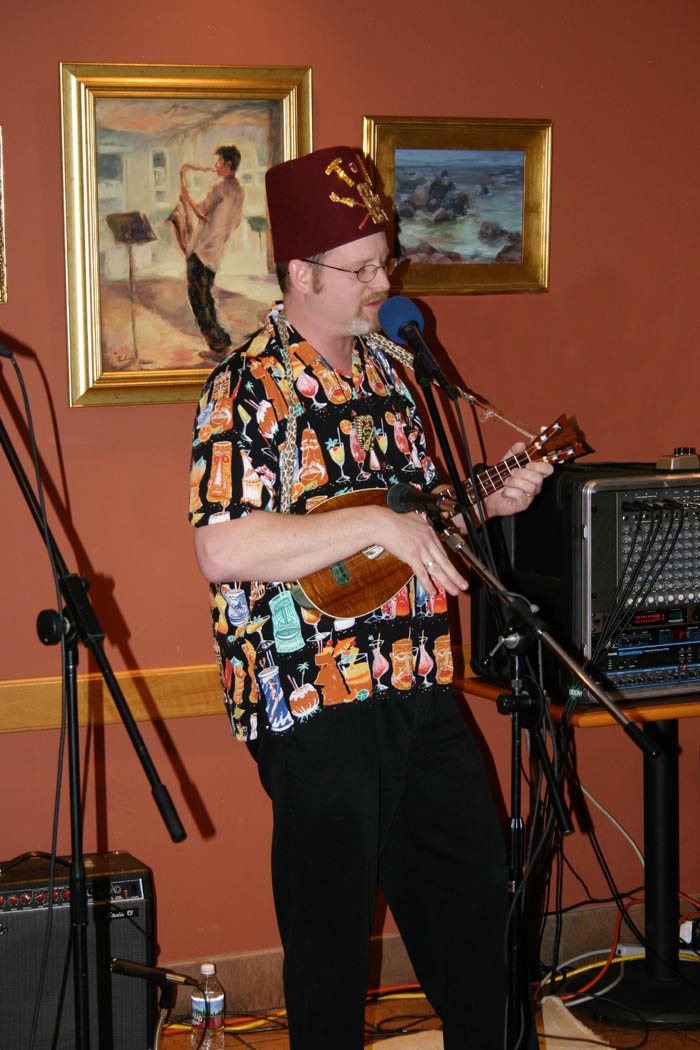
{"x": 149, "y": 973}
{"x": 403, "y": 323}
{"x": 404, "y": 498}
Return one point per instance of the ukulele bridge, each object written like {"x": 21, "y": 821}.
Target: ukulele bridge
{"x": 373, "y": 552}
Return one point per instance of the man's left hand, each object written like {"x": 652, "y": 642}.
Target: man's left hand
{"x": 521, "y": 487}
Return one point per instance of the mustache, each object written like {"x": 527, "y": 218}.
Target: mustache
{"x": 378, "y": 297}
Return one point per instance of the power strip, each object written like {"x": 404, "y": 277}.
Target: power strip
{"x": 623, "y": 950}
{"x": 689, "y": 933}
{"x": 688, "y": 950}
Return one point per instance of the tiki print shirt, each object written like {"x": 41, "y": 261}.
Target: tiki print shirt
{"x": 281, "y": 662}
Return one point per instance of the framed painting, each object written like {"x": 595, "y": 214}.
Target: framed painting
{"x": 168, "y": 254}
{"x": 3, "y": 268}
{"x": 471, "y": 201}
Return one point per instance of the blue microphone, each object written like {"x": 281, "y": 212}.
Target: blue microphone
{"x": 396, "y": 314}
{"x": 402, "y": 321}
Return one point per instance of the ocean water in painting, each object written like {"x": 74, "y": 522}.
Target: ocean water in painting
{"x": 459, "y": 205}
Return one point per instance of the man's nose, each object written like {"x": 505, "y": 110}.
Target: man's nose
{"x": 380, "y": 279}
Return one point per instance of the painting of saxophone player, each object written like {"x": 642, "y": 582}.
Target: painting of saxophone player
{"x": 194, "y": 167}
{"x": 203, "y": 230}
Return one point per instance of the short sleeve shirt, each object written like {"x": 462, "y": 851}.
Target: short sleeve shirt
{"x": 281, "y": 659}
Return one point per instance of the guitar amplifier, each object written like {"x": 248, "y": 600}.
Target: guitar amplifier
{"x": 610, "y": 553}
{"x": 120, "y": 922}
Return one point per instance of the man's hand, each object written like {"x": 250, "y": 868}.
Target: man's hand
{"x": 521, "y": 488}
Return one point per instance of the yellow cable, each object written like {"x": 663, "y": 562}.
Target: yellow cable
{"x": 618, "y": 959}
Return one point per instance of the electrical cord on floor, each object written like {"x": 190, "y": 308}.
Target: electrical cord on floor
{"x": 270, "y": 1021}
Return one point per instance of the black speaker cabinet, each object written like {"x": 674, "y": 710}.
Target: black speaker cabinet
{"x": 120, "y": 922}
{"x": 610, "y": 552}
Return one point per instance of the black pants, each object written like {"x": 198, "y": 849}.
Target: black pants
{"x": 199, "y": 284}
{"x": 391, "y": 794}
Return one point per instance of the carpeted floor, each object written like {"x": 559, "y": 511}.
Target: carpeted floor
{"x": 559, "y": 1028}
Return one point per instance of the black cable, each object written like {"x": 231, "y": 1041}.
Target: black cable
{"x": 590, "y": 899}
{"x": 623, "y": 597}
{"x": 626, "y": 608}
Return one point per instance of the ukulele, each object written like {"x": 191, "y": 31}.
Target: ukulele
{"x": 367, "y": 580}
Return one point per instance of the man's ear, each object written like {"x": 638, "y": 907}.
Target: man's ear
{"x": 300, "y": 275}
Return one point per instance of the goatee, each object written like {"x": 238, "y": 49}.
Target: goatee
{"x": 362, "y": 326}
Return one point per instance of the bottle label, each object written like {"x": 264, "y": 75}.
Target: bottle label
{"x": 216, "y": 1011}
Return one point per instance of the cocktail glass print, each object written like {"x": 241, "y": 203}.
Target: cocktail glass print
{"x": 245, "y": 418}
{"x": 308, "y": 386}
{"x": 423, "y": 604}
{"x": 359, "y": 455}
{"x": 374, "y": 378}
{"x": 355, "y": 671}
{"x": 425, "y": 663}
{"x": 361, "y": 389}
{"x": 255, "y": 627}
{"x": 380, "y": 664}
{"x": 336, "y": 448}
{"x": 312, "y": 616}
{"x": 400, "y": 437}
{"x": 278, "y": 714}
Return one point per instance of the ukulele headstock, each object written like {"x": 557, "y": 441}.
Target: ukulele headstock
{"x": 561, "y": 441}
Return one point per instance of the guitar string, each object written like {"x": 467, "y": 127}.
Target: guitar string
{"x": 405, "y": 357}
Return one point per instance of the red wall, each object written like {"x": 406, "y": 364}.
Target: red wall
{"x": 614, "y": 340}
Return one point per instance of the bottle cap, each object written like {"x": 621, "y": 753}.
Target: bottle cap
{"x": 207, "y": 968}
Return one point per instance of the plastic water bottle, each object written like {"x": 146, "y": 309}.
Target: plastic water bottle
{"x": 213, "y": 993}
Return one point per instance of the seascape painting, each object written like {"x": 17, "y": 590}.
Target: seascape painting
{"x": 153, "y": 155}
{"x": 459, "y": 205}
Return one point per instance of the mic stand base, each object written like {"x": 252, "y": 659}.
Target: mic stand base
{"x": 659, "y": 1002}
{"x": 662, "y": 989}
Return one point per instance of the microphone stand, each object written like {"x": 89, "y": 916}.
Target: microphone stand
{"x": 78, "y": 622}
{"x": 167, "y": 982}
{"x": 523, "y": 628}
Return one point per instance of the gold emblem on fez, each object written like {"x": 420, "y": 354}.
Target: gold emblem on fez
{"x": 364, "y": 428}
{"x": 368, "y": 199}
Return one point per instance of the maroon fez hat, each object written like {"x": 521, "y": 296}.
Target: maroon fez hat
{"x": 319, "y": 201}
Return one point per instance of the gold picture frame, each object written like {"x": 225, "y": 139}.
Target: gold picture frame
{"x": 131, "y": 135}
{"x": 3, "y": 265}
{"x": 452, "y": 181}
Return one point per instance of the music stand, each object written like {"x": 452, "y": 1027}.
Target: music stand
{"x": 130, "y": 228}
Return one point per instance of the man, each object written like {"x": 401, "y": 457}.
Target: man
{"x": 373, "y": 776}
{"x": 218, "y": 214}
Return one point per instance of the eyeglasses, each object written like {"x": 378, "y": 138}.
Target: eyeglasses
{"x": 365, "y": 274}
